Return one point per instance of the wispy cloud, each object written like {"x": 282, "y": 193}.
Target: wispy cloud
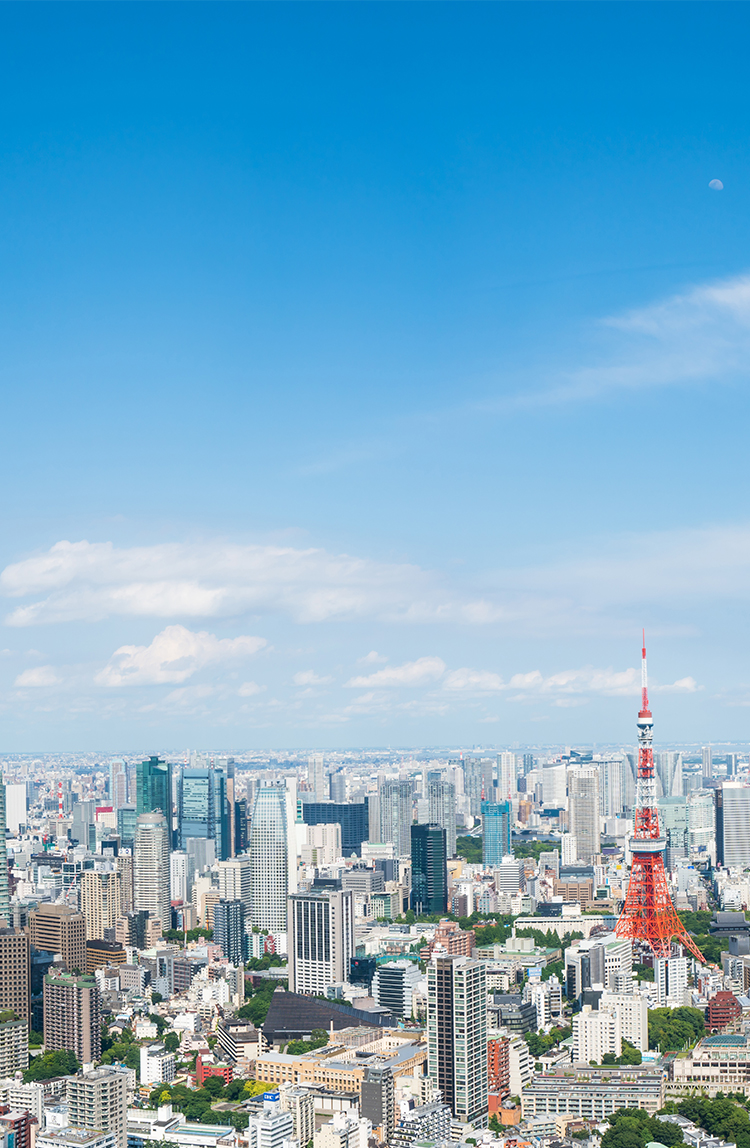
{"x": 699, "y": 336}
{"x": 85, "y": 581}
{"x": 38, "y": 677}
{"x": 410, "y": 674}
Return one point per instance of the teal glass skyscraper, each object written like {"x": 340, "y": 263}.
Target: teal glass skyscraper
{"x": 496, "y": 817}
{"x": 154, "y": 787}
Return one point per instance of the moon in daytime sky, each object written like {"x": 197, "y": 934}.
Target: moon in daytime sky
{"x": 716, "y": 185}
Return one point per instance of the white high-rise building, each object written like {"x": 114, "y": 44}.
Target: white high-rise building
{"x": 610, "y": 787}
{"x": 671, "y": 980}
{"x": 16, "y": 806}
{"x": 273, "y": 859}
{"x": 151, "y": 878}
{"x": 595, "y": 1033}
{"x": 321, "y": 938}
{"x": 118, "y": 783}
{"x": 569, "y": 849}
{"x": 157, "y": 1065}
{"x": 235, "y": 879}
{"x": 272, "y": 1127}
{"x": 180, "y": 883}
{"x": 507, "y": 782}
{"x": 457, "y": 1035}
{"x": 554, "y": 782}
{"x": 316, "y": 776}
{"x": 395, "y": 804}
{"x": 98, "y": 1100}
{"x": 441, "y": 803}
{"x": 583, "y": 811}
{"x": 732, "y": 825}
{"x": 632, "y": 1009}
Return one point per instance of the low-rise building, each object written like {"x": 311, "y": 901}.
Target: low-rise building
{"x": 719, "y": 1063}
{"x": 593, "y": 1093}
{"x": 345, "y": 1130}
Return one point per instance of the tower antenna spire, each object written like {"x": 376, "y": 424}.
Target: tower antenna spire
{"x": 648, "y": 915}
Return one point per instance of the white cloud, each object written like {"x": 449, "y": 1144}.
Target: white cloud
{"x": 173, "y": 656}
{"x": 249, "y": 689}
{"x": 373, "y": 658}
{"x": 310, "y": 678}
{"x": 418, "y": 673}
{"x": 476, "y": 681}
{"x": 38, "y": 676}
{"x": 698, "y": 336}
{"x": 84, "y": 581}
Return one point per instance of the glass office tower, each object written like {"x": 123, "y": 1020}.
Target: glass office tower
{"x": 429, "y": 869}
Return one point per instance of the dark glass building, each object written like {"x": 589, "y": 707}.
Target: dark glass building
{"x": 352, "y": 817}
{"x": 429, "y": 869}
{"x": 241, "y": 838}
{"x": 229, "y": 930}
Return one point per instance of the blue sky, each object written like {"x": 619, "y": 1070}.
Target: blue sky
{"x": 372, "y": 373}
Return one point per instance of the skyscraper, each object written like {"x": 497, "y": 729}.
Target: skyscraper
{"x": 60, "y": 929}
{"x": 235, "y": 880}
{"x": 396, "y": 815}
{"x": 241, "y": 832}
{"x": 151, "y": 871}
{"x": 226, "y": 766}
{"x": 72, "y": 1017}
{"x": 478, "y": 782}
{"x": 506, "y": 776}
{"x": 496, "y": 831}
{"x": 733, "y": 825}
{"x": 337, "y": 786}
{"x": 673, "y": 822}
{"x": 708, "y": 761}
{"x": 4, "y": 894}
{"x": 611, "y": 788}
{"x": 583, "y": 811}
{"x": 118, "y": 783}
{"x": 229, "y": 930}
{"x": 429, "y": 869}
{"x": 321, "y": 937}
{"x": 272, "y": 870}
{"x": 15, "y": 972}
{"x": 457, "y": 1035}
{"x": 101, "y": 902}
{"x": 154, "y": 788}
{"x": 202, "y": 808}
{"x": 316, "y": 776}
{"x": 179, "y": 885}
{"x": 441, "y": 799}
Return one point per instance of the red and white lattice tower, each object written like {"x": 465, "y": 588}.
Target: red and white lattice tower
{"x": 648, "y": 915}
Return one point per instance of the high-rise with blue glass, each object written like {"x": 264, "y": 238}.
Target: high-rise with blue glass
{"x": 202, "y": 808}
{"x": 496, "y": 824}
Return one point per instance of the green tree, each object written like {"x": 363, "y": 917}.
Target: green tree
{"x": 171, "y": 1042}
{"x": 50, "y": 1065}
{"x": 671, "y": 1029}
{"x": 156, "y": 997}
{"x": 214, "y": 1085}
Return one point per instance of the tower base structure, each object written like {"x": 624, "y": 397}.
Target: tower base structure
{"x": 648, "y": 915}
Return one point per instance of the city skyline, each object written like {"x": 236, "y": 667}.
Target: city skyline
{"x": 373, "y": 374}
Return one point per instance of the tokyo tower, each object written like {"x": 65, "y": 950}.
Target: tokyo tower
{"x": 648, "y": 915}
